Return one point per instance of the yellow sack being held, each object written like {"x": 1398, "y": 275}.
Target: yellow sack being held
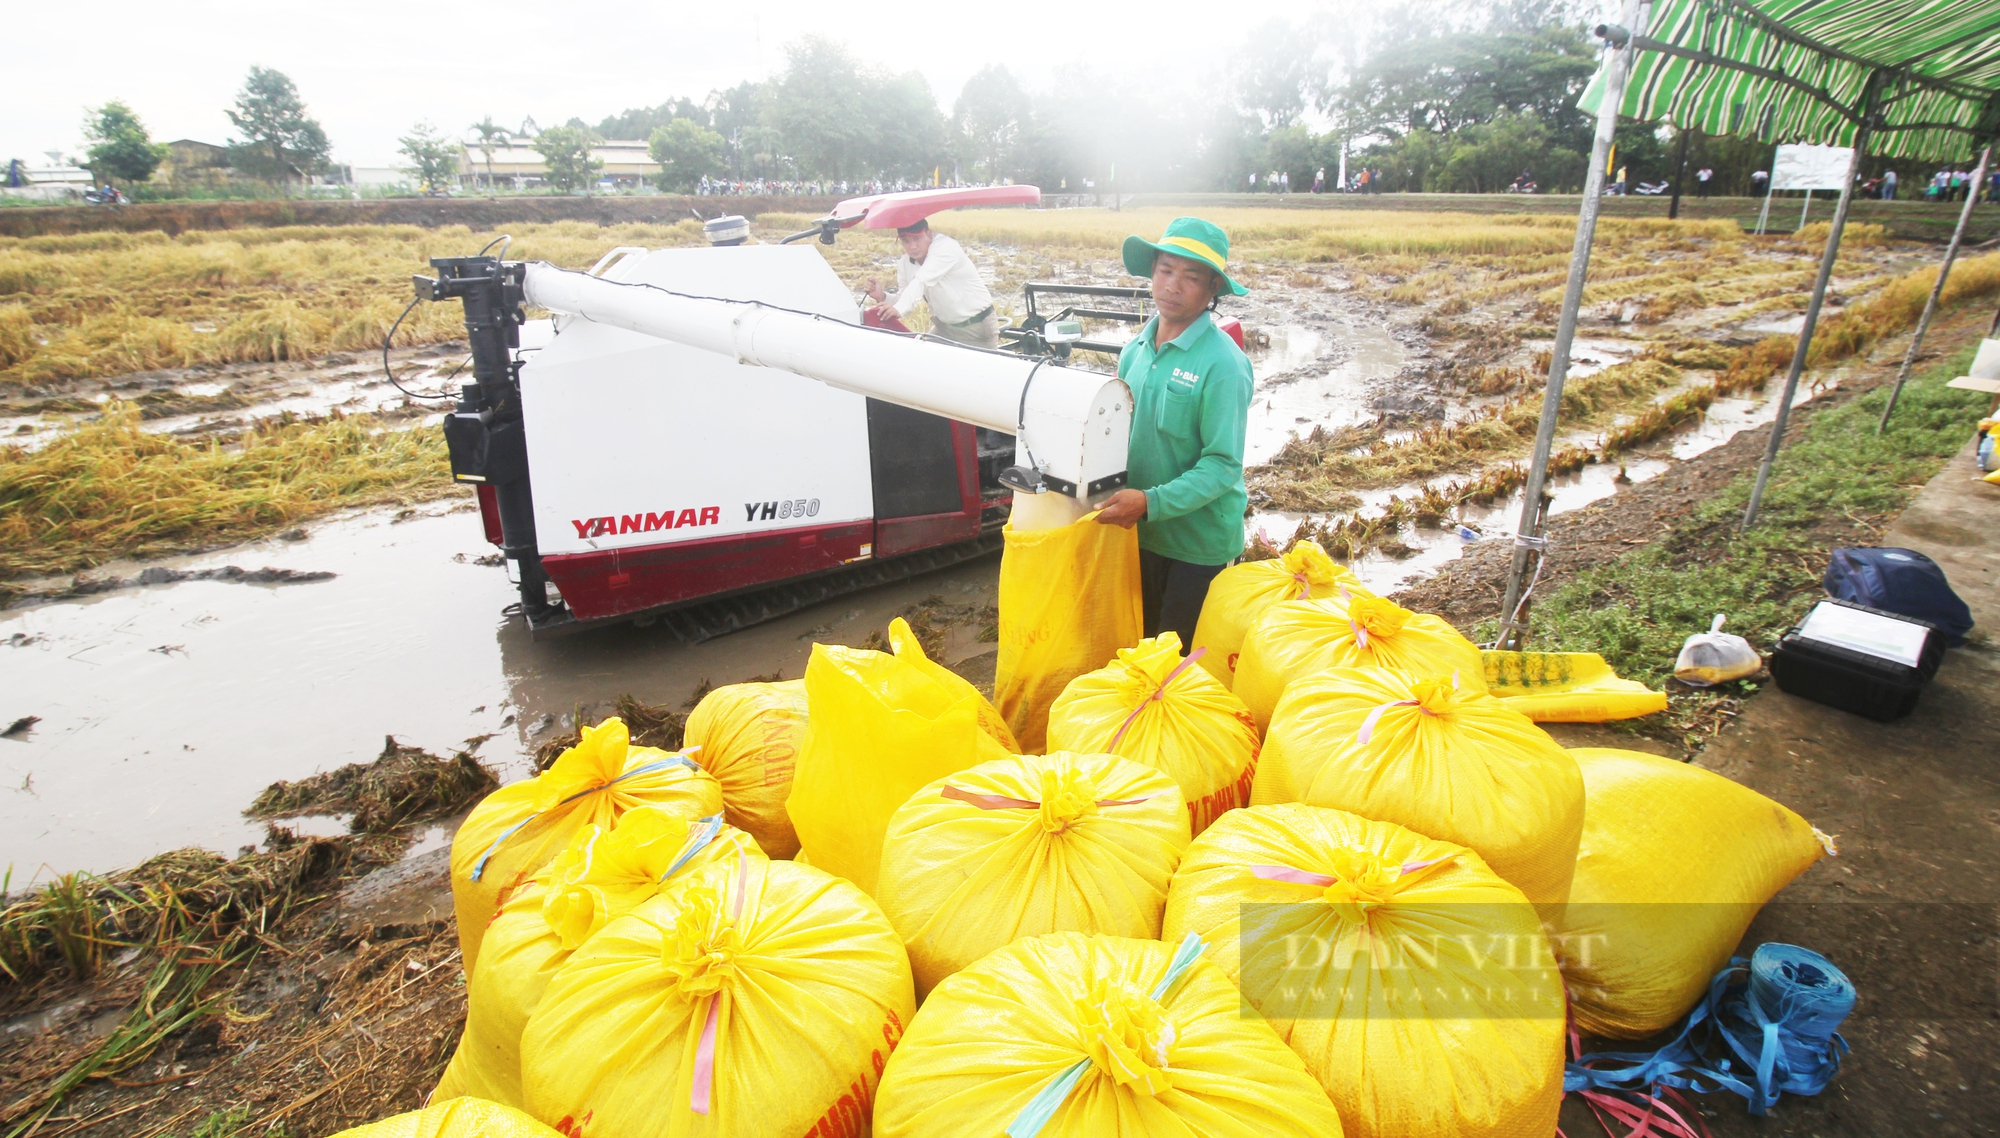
{"x": 1069, "y": 600}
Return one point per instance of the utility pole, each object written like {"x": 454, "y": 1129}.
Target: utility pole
{"x": 1864, "y": 122}
{"x": 1528, "y": 540}
{"x": 1680, "y": 171}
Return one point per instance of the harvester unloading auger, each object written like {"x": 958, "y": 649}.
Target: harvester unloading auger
{"x": 710, "y": 423}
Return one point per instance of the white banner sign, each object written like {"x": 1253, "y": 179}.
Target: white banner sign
{"x": 1802, "y": 167}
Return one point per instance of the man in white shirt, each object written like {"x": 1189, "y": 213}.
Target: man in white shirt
{"x": 935, "y": 269}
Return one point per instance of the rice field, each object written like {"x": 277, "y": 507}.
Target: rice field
{"x": 109, "y": 489}
{"x": 102, "y": 304}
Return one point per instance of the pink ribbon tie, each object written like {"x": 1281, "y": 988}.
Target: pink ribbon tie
{"x": 1292, "y": 876}
{"x": 1158, "y": 692}
{"x": 1002, "y": 802}
{"x": 699, "y": 1097}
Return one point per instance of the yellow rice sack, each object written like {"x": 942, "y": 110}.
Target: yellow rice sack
{"x": 1069, "y": 600}
{"x": 1448, "y": 763}
{"x": 1241, "y": 594}
{"x": 1126, "y": 1038}
{"x": 1154, "y": 707}
{"x": 879, "y": 727}
{"x": 1029, "y": 845}
{"x": 516, "y": 830}
{"x": 1566, "y": 687}
{"x": 456, "y": 1118}
{"x": 598, "y": 878}
{"x": 754, "y": 1000}
{"x": 1674, "y": 864}
{"x": 1415, "y": 983}
{"x": 748, "y": 736}
{"x": 1298, "y": 638}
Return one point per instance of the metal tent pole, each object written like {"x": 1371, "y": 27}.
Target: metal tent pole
{"x": 1680, "y": 173}
{"x": 1528, "y": 539}
{"x": 1937, "y": 290}
{"x": 1807, "y": 208}
{"x": 1813, "y": 305}
{"x": 1765, "y": 215}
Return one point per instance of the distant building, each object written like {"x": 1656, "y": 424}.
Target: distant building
{"x": 625, "y": 162}
{"x": 193, "y": 154}
{"x": 192, "y": 162}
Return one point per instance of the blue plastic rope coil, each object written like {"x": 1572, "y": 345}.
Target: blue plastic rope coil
{"x": 1772, "y": 1022}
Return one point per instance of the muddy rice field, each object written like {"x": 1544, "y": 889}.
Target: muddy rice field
{"x": 168, "y": 656}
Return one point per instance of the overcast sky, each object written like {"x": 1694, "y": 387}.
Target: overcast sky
{"x": 368, "y": 69}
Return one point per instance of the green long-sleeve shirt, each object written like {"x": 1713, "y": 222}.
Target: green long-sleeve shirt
{"x": 1190, "y": 409}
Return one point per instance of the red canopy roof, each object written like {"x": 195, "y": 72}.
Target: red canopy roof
{"x": 893, "y": 211}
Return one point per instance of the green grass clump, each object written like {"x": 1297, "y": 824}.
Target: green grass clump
{"x": 109, "y": 489}
{"x": 1839, "y": 484}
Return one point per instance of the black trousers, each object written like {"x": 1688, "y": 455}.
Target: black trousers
{"x": 1173, "y": 592}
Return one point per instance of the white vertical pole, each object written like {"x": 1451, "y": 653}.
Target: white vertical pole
{"x": 1528, "y": 537}
{"x": 1805, "y": 209}
{"x": 1812, "y": 307}
{"x": 1937, "y": 290}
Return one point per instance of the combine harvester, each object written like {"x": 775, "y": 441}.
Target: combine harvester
{"x": 711, "y": 439}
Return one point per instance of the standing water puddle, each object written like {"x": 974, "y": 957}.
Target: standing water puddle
{"x": 1287, "y": 403}
{"x": 1724, "y": 420}
{"x": 166, "y": 709}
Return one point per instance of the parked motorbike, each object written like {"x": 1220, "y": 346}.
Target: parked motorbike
{"x": 109, "y": 195}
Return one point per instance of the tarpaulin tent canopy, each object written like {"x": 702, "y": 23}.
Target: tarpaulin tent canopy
{"x": 1916, "y": 79}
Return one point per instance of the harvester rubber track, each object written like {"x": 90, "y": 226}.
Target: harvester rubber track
{"x": 711, "y": 619}
{"x": 707, "y": 620}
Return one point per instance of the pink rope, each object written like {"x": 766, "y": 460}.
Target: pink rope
{"x": 1292, "y": 876}
{"x": 1367, "y": 731}
{"x": 699, "y": 1099}
{"x": 1157, "y": 693}
{"x": 1001, "y": 802}
{"x": 1305, "y": 586}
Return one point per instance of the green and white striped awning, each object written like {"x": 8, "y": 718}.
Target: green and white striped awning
{"x": 1802, "y": 71}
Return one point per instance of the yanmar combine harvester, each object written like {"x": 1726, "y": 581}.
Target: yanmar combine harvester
{"x": 711, "y": 438}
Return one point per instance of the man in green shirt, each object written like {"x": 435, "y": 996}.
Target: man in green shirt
{"x": 1190, "y": 409}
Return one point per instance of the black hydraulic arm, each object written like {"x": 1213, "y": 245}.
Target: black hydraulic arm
{"x": 484, "y": 432}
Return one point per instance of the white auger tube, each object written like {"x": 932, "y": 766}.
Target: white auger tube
{"x": 1074, "y": 423}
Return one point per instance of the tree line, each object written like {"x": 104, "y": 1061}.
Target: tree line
{"x": 1427, "y": 95}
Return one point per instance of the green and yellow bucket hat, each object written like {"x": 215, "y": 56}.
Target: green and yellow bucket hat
{"x": 1189, "y": 237}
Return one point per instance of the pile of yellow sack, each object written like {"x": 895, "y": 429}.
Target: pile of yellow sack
{"x": 1046, "y": 915}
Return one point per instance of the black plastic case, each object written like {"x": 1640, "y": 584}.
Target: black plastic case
{"x": 1882, "y": 690}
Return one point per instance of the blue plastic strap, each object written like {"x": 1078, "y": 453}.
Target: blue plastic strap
{"x": 1049, "y": 1099}
{"x": 1043, "y": 1106}
{"x": 1779, "y": 1024}
{"x": 479, "y": 867}
{"x": 1190, "y": 950}
{"x": 705, "y": 832}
